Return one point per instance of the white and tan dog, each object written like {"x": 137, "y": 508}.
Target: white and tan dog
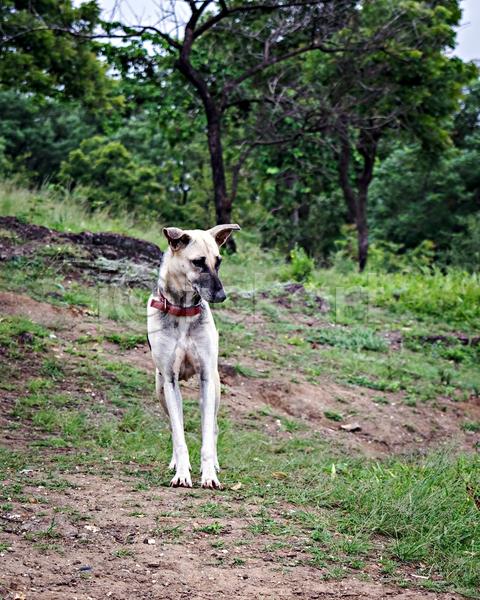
{"x": 183, "y": 339}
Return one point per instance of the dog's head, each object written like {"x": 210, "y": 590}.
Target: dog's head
{"x": 195, "y": 259}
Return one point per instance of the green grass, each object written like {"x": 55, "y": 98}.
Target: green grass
{"x": 347, "y": 507}
{"x": 342, "y": 508}
{"x": 126, "y": 341}
{"x": 67, "y": 211}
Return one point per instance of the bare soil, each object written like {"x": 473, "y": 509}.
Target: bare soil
{"x": 90, "y": 569}
{"x": 108, "y": 555}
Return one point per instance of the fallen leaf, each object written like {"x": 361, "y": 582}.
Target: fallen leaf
{"x": 92, "y": 528}
{"x": 19, "y": 596}
{"x": 279, "y": 475}
{"x": 236, "y": 487}
{"x": 32, "y": 501}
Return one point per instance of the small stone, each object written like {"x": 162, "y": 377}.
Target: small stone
{"x": 148, "y": 541}
{"x": 351, "y": 427}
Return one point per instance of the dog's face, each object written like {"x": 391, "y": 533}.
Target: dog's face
{"x": 195, "y": 259}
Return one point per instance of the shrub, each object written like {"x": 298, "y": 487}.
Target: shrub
{"x": 301, "y": 266}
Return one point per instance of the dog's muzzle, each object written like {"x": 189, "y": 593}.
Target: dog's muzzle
{"x": 220, "y": 296}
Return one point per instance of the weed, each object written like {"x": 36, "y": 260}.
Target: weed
{"x": 380, "y": 400}
{"x": 126, "y": 341}
{"x": 471, "y": 426}
{"x": 214, "y": 529}
{"x": 124, "y": 553}
{"x": 333, "y": 415}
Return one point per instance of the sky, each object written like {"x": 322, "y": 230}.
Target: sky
{"x": 468, "y": 37}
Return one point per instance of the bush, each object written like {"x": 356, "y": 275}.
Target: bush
{"x": 113, "y": 180}
{"x": 301, "y": 266}
{"x": 465, "y": 248}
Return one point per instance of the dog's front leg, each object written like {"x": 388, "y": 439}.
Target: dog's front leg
{"x": 173, "y": 400}
{"x": 209, "y": 402}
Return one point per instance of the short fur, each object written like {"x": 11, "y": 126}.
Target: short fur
{"x": 182, "y": 346}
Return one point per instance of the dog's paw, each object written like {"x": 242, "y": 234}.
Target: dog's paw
{"x": 211, "y": 482}
{"x": 181, "y": 481}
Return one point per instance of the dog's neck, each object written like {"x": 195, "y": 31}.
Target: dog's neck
{"x": 175, "y": 289}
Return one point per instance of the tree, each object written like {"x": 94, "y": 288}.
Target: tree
{"x": 38, "y": 136}
{"x": 45, "y": 50}
{"x": 225, "y": 45}
{"x": 399, "y": 83}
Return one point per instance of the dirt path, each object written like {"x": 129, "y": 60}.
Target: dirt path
{"x": 91, "y": 540}
{"x": 107, "y": 554}
{"x": 382, "y": 423}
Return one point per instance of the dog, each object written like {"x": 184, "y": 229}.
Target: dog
{"x": 184, "y": 341}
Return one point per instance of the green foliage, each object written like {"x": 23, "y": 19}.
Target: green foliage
{"x": 37, "y": 137}
{"x": 464, "y": 251}
{"x": 359, "y": 338}
{"x": 111, "y": 178}
{"x": 300, "y": 267}
{"x": 432, "y": 201}
{"x": 20, "y": 331}
{"x": 126, "y": 341}
{"x": 333, "y": 415}
{"x": 384, "y": 256}
{"x": 37, "y": 57}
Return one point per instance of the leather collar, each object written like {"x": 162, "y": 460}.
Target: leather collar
{"x": 172, "y": 309}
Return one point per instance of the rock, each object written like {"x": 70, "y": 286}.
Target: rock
{"x": 226, "y": 370}
{"x": 112, "y": 246}
{"x": 351, "y": 427}
{"x": 293, "y": 288}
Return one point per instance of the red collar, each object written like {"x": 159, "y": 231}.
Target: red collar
{"x": 172, "y": 309}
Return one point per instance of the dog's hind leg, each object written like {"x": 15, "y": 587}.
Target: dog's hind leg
{"x": 160, "y": 393}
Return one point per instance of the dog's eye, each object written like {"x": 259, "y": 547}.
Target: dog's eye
{"x": 218, "y": 262}
{"x": 199, "y": 262}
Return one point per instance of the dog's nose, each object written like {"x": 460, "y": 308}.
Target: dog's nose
{"x": 220, "y": 296}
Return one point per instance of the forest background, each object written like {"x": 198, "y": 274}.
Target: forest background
{"x": 313, "y": 124}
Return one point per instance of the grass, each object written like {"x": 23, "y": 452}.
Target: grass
{"x": 342, "y": 508}
{"x": 67, "y": 211}
{"x": 416, "y": 508}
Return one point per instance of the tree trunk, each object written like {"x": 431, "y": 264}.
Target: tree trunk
{"x": 362, "y": 230}
{"x": 368, "y": 151}
{"x": 343, "y": 172}
{"x": 223, "y": 209}
{"x": 357, "y": 202}
{"x": 223, "y": 205}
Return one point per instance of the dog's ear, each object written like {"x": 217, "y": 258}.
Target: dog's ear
{"x": 176, "y": 237}
{"x": 221, "y": 233}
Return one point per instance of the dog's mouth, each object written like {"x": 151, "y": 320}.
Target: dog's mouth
{"x": 212, "y": 293}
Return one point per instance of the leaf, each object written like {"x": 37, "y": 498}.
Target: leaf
{"x": 279, "y": 475}
{"x": 236, "y": 487}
